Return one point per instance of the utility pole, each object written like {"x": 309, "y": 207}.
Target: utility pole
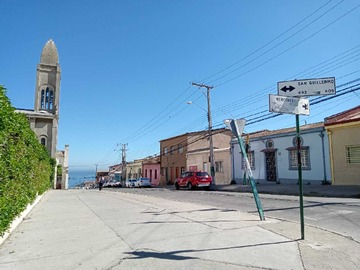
{"x": 96, "y": 165}
{"x": 123, "y": 163}
{"x": 212, "y": 166}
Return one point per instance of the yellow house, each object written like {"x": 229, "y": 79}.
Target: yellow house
{"x": 343, "y": 130}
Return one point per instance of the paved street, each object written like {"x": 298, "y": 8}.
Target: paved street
{"x": 88, "y": 229}
{"x": 340, "y": 215}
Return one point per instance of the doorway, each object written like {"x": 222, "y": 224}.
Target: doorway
{"x": 270, "y": 161}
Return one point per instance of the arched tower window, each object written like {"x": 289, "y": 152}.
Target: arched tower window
{"x": 47, "y": 99}
{"x": 43, "y": 141}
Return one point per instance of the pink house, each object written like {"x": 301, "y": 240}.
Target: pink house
{"x": 151, "y": 169}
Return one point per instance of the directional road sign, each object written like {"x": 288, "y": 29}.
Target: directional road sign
{"x": 309, "y": 87}
{"x": 290, "y": 105}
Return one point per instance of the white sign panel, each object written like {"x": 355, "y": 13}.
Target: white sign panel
{"x": 291, "y": 105}
{"x": 236, "y": 125}
{"x": 309, "y": 87}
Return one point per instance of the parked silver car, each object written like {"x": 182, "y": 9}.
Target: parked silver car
{"x": 143, "y": 182}
{"x": 130, "y": 183}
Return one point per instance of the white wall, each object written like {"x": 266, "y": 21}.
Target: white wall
{"x": 311, "y": 138}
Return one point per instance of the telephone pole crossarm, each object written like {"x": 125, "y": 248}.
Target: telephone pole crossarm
{"x": 202, "y": 85}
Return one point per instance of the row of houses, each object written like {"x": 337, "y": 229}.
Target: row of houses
{"x": 330, "y": 154}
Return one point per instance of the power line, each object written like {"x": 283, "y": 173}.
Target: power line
{"x": 288, "y": 49}
{"x": 268, "y": 43}
{"x": 271, "y": 115}
{"x": 145, "y": 129}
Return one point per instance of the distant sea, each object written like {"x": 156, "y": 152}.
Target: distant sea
{"x": 77, "y": 176}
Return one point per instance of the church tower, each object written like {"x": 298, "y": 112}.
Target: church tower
{"x": 44, "y": 118}
{"x": 47, "y": 95}
{"x": 48, "y": 76}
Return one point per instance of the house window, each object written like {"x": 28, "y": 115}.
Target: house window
{"x": 251, "y": 158}
{"x": 172, "y": 150}
{"x": 219, "y": 166}
{"x": 165, "y": 151}
{"x": 353, "y": 154}
{"x": 155, "y": 174}
{"x": 305, "y": 159}
{"x": 180, "y": 148}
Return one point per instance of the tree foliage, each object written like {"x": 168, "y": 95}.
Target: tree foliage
{"x": 26, "y": 168}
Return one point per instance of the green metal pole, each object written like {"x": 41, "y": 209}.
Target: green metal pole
{"x": 244, "y": 179}
{"x": 300, "y": 178}
{"x": 252, "y": 182}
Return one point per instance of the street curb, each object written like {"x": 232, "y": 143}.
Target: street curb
{"x": 289, "y": 192}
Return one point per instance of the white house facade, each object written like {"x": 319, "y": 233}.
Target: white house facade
{"x": 273, "y": 156}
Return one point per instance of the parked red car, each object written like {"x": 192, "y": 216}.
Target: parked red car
{"x": 192, "y": 180}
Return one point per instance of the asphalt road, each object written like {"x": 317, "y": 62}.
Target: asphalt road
{"x": 340, "y": 215}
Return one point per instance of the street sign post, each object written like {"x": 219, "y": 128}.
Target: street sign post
{"x": 290, "y": 100}
{"x": 237, "y": 128}
{"x": 297, "y": 106}
{"x": 291, "y": 105}
{"x": 308, "y": 87}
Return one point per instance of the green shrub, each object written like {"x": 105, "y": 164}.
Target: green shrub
{"x": 25, "y": 165}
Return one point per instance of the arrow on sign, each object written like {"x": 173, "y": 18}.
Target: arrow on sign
{"x": 285, "y": 89}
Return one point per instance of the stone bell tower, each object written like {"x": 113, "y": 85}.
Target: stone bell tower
{"x": 44, "y": 118}
{"x": 47, "y": 94}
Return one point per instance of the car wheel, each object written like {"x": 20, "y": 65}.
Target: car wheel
{"x": 177, "y": 186}
{"x": 189, "y": 186}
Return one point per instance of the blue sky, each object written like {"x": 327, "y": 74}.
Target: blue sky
{"x": 127, "y": 65}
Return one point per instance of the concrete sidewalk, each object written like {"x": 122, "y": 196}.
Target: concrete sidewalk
{"x": 88, "y": 229}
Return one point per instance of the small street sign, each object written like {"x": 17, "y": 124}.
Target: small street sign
{"x": 290, "y": 105}
{"x": 308, "y": 87}
{"x": 236, "y": 125}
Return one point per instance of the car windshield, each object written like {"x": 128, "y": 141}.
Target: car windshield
{"x": 202, "y": 174}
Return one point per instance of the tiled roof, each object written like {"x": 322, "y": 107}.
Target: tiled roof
{"x": 266, "y": 132}
{"x": 350, "y": 115}
{"x": 214, "y": 131}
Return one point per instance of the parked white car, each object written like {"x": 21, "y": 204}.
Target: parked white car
{"x": 130, "y": 183}
{"x": 143, "y": 182}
